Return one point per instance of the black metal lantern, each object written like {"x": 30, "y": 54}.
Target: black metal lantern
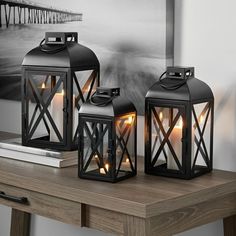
{"x": 107, "y": 137}
{"x": 179, "y": 125}
{"x": 57, "y": 77}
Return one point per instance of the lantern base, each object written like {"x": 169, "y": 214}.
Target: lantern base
{"x": 162, "y": 170}
{"x": 96, "y": 175}
{"x": 44, "y": 142}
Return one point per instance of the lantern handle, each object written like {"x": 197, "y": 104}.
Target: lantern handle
{"x": 52, "y": 51}
{"x": 105, "y": 98}
{"x": 172, "y": 87}
{"x": 101, "y": 104}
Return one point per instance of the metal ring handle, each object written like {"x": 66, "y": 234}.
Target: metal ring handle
{"x": 101, "y": 104}
{"x": 173, "y": 87}
{"x": 51, "y": 51}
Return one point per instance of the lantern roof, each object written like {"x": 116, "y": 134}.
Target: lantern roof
{"x": 117, "y": 106}
{"x": 180, "y": 84}
{"x": 61, "y": 50}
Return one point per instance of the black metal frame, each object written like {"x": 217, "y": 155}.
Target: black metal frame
{"x": 186, "y": 110}
{"x": 68, "y": 78}
{"x": 122, "y": 143}
{"x": 208, "y": 110}
{"x": 115, "y": 140}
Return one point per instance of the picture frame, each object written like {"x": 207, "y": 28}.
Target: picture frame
{"x": 133, "y": 42}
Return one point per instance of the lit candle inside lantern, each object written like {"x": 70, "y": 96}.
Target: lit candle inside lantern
{"x": 161, "y": 116}
{"x": 57, "y": 106}
{"x": 102, "y": 170}
{"x": 43, "y": 85}
{"x": 107, "y": 167}
{"x": 126, "y": 162}
{"x": 175, "y": 140}
{"x": 201, "y": 119}
{"x": 129, "y": 120}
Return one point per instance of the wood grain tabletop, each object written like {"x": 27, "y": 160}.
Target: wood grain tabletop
{"x": 143, "y": 195}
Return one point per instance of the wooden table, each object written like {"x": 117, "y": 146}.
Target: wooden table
{"x": 143, "y": 205}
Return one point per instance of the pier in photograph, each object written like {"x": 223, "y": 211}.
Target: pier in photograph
{"x": 27, "y": 12}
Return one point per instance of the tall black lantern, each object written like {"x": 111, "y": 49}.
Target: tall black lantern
{"x": 179, "y": 125}
{"x": 107, "y": 137}
{"x": 57, "y": 77}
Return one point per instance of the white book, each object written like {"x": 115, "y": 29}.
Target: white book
{"x": 37, "y": 159}
{"x": 15, "y": 145}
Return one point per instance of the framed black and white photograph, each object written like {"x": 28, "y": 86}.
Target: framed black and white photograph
{"x": 133, "y": 40}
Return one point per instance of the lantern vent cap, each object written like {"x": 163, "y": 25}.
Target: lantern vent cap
{"x": 107, "y": 102}
{"x": 180, "y": 84}
{"x": 60, "y": 49}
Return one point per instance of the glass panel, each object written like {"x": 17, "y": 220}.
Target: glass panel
{"x": 96, "y": 150}
{"x": 84, "y": 85}
{"x": 201, "y": 121}
{"x": 45, "y": 107}
{"x": 125, "y": 144}
{"x": 166, "y": 137}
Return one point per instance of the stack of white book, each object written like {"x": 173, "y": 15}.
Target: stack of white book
{"x": 12, "y": 148}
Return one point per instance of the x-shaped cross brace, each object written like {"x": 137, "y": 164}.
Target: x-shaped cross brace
{"x": 123, "y": 143}
{"x": 156, "y": 139}
{"x": 44, "y": 110}
{"x": 38, "y": 107}
{"x": 89, "y": 84}
{"x": 201, "y": 134}
{"x": 166, "y": 138}
{"x": 95, "y": 146}
{"x": 91, "y": 136}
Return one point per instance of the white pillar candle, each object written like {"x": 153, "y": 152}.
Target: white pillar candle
{"x": 102, "y": 171}
{"x": 175, "y": 140}
{"x": 57, "y": 115}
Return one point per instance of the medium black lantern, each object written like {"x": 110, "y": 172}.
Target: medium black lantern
{"x": 107, "y": 137}
{"x": 179, "y": 125}
{"x": 57, "y": 77}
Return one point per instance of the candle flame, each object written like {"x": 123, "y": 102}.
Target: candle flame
{"x": 161, "y": 116}
{"x": 43, "y": 85}
{"x": 107, "y": 167}
{"x": 201, "y": 119}
{"x": 129, "y": 120}
{"x": 127, "y": 160}
{"x": 62, "y": 92}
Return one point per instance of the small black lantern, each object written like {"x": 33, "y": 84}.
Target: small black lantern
{"x": 179, "y": 125}
{"x": 57, "y": 77}
{"x": 107, "y": 137}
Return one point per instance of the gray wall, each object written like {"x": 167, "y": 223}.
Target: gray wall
{"x": 204, "y": 38}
